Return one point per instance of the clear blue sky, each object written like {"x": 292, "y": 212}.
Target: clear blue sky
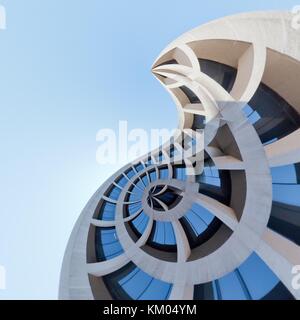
{"x": 67, "y": 69}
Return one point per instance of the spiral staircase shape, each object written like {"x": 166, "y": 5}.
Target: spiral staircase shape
{"x": 224, "y": 223}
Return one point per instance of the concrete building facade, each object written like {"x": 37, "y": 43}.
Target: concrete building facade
{"x": 231, "y": 230}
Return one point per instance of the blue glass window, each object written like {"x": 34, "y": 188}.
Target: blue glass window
{"x": 223, "y": 74}
{"x": 285, "y": 214}
{"x": 134, "y": 208}
{"x": 107, "y": 211}
{"x": 114, "y": 193}
{"x": 139, "y": 183}
{"x": 136, "y": 191}
{"x": 172, "y": 152}
{"x": 122, "y": 181}
{"x": 287, "y": 194}
{"x": 229, "y": 288}
{"x": 160, "y": 157}
{"x": 199, "y": 122}
{"x": 285, "y": 220}
{"x": 163, "y": 233}
{"x": 248, "y": 110}
{"x": 210, "y": 175}
{"x": 284, "y": 175}
{"x": 286, "y": 187}
{"x": 252, "y": 115}
{"x": 135, "y": 195}
{"x": 130, "y": 173}
{"x": 258, "y": 277}
{"x": 141, "y": 286}
{"x": 253, "y": 280}
{"x": 107, "y": 244}
{"x": 163, "y": 173}
{"x": 148, "y": 163}
{"x": 145, "y": 180}
{"x": 140, "y": 222}
{"x": 199, "y": 219}
{"x": 153, "y": 176}
{"x": 272, "y": 116}
{"x": 180, "y": 173}
{"x": 139, "y": 167}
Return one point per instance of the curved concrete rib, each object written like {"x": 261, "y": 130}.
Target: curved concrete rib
{"x": 228, "y": 163}
{"x": 195, "y": 108}
{"x": 183, "y": 247}
{"x": 222, "y": 212}
{"x": 103, "y": 223}
{"x": 144, "y": 238}
{"x": 251, "y": 67}
{"x": 182, "y": 292}
{"x": 116, "y": 201}
{"x": 200, "y": 90}
{"x": 190, "y": 54}
{"x": 109, "y": 199}
{"x": 100, "y": 269}
{"x": 284, "y": 151}
{"x": 107, "y": 224}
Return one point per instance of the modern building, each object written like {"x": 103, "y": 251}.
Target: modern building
{"x": 231, "y": 230}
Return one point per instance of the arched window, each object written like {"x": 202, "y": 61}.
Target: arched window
{"x": 253, "y": 280}
{"x": 131, "y": 283}
{"x": 107, "y": 211}
{"x": 107, "y": 244}
{"x": 285, "y": 214}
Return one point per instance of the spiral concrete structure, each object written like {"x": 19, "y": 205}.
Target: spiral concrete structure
{"x": 224, "y": 223}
